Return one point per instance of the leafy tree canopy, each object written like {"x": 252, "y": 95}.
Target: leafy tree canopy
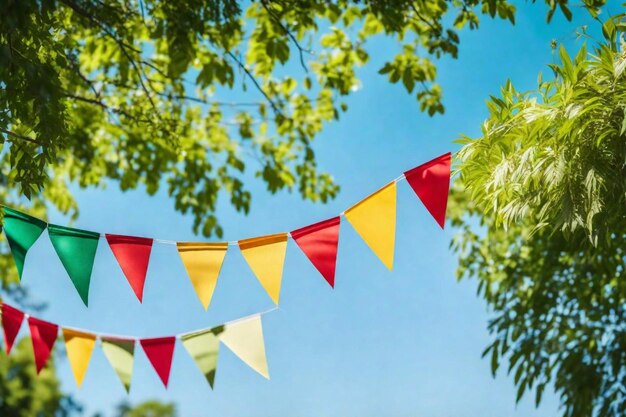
{"x": 139, "y": 91}
{"x": 152, "y": 408}
{"x": 540, "y": 205}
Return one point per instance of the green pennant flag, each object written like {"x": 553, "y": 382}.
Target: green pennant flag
{"x": 77, "y": 250}
{"x": 120, "y": 353}
{"x": 203, "y": 347}
{"x": 22, "y": 231}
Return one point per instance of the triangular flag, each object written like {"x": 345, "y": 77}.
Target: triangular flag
{"x": 133, "y": 255}
{"x": 265, "y": 256}
{"x": 374, "y": 219}
{"x": 204, "y": 347}
{"x": 431, "y": 183}
{"x": 12, "y": 319}
{"x": 203, "y": 262}
{"x": 319, "y": 243}
{"x": 22, "y": 231}
{"x": 160, "y": 351}
{"x": 79, "y": 347}
{"x": 43, "y": 336}
{"x": 77, "y": 250}
{"x": 245, "y": 339}
{"x": 120, "y": 353}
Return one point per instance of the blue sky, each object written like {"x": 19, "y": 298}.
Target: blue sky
{"x": 401, "y": 343}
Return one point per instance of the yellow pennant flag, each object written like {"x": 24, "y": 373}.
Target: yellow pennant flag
{"x": 266, "y": 256}
{"x": 203, "y": 262}
{"x": 245, "y": 339}
{"x": 374, "y": 219}
{"x": 79, "y": 348}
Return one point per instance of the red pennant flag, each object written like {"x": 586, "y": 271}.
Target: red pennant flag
{"x": 319, "y": 243}
{"x": 133, "y": 255}
{"x": 44, "y": 335}
{"x": 12, "y": 319}
{"x": 431, "y": 183}
{"x": 160, "y": 352}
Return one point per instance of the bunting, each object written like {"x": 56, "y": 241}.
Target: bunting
{"x": 121, "y": 354}
{"x": 77, "y": 250}
{"x": 204, "y": 347}
{"x": 319, "y": 243}
{"x": 12, "y": 319}
{"x": 243, "y": 336}
{"x": 133, "y": 255}
{"x": 21, "y": 231}
{"x": 79, "y": 347}
{"x": 43, "y": 335}
{"x": 203, "y": 262}
{"x": 160, "y": 351}
{"x": 431, "y": 183}
{"x": 266, "y": 256}
{"x": 245, "y": 339}
{"x": 374, "y": 219}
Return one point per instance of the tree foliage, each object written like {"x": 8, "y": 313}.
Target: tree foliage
{"x": 23, "y": 393}
{"x": 151, "y": 408}
{"x": 142, "y": 92}
{"x": 540, "y": 205}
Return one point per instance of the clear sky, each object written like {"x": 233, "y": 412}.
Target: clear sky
{"x": 401, "y": 344}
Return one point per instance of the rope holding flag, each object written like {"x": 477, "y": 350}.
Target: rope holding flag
{"x": 373, "y": 218}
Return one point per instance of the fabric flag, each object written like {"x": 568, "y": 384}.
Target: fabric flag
{"x": 431, "y": 183}
{"x": 203, "y": 262}
{"x": 319, "y": 243}
{"x": 12, "y": 319}
{"x": 22, "y": 231}
{"x": 133, "y": 255}
{"x": 160, "y": 352}
{"x": 374, "y": 219}
{"x": 43, "y": 335}
{"x": 77, "y": 250}
{"x": 245, "y": 339}
{"x": 79, "y": 347}
{"x": 265, "y": 256}
{"x": 203, "y": 347}
{"x": 120, "y": 353}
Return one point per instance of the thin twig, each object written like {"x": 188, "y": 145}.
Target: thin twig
{"x": 301, "y": 50}
{"x": 256, "y": 83}
{"x": 18, "y": 136}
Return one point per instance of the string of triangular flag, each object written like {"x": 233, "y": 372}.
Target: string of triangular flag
{"x": 244, "y": 337}
{"x": 374, "y": 219}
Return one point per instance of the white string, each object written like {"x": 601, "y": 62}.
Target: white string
{"x": 235, "y": 242}
{"x": 100, "y": 335}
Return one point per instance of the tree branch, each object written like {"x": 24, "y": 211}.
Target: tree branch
{"x": 107, "y": 108}
{"x": 301, "y": 50}
{"x": 18, "y": 136}
{"x": 256, "y": 83}
{"x": 122, "y": 45}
